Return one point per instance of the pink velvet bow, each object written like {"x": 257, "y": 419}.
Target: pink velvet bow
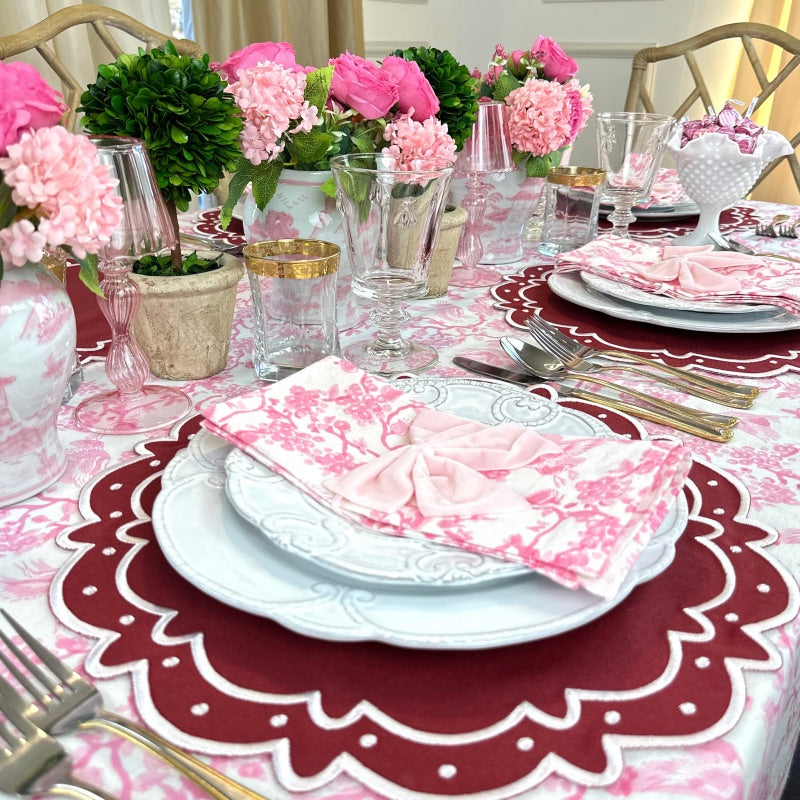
{"x": 441, "y": 469}
{"x": 694, "y": 269}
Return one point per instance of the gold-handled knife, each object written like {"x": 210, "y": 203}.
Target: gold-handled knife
{"x": 692, "y": 426}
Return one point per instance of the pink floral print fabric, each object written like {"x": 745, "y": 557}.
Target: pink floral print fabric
{"x": 689, "y": 272}
{"x": 591, "y": 505}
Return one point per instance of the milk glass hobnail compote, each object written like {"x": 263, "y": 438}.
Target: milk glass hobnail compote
{"x": 132, "y": 407}
{"x": 716, "y": 174}
{"x": 392, "y": 214}
{"x": 630, "y": 146}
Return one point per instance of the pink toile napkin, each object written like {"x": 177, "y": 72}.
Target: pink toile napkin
{"x": 700, "y": 272}
{"x": 578, "y": 510}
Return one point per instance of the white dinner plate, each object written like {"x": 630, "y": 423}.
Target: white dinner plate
{"x": 631, "y": 294}
{"x": 215, "y": 549}
{"x": 304, "y": 528}
{"x": 569, "y": 286}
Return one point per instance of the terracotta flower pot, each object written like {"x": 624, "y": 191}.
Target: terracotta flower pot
{"x": 184, "y": 323}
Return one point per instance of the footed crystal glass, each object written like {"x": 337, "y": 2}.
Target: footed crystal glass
{"x": 392, "y": 212}
{"x": 630, "y": 146}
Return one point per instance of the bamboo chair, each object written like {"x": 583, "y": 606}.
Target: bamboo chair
{"x": 750, "y": 34}
{"x": 39, "y": 37}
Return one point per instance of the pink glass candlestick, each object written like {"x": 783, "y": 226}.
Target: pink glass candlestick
{"x": 132, "y": 407}
{"x": 487, "y": 151}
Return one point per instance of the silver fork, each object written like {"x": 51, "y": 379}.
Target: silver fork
{"x": 576, "y": 364}
{"x": 718, "y": 391}
{"x": 63, "y": 701}
{"x": 789, "y": 231}
{"x": 768, "y": 228}
{"x": 31, "y": 762}
{"x": 737, "y": 247}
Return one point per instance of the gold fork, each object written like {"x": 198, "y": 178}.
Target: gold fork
{"x": 31, "y": 762}
{"x": 63, "y": 701}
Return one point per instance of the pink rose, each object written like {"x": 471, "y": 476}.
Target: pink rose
{"x": 415, "y": 91}
{"x": 359, "y": 84}
{"x": 26, "y": 102}
{"x": 278, "y": 52}
{"x": 580, "y": 108}
{"x": 557, "y": 65}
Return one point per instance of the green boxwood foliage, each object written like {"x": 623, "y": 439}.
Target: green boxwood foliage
{"x": 178, "y": 106}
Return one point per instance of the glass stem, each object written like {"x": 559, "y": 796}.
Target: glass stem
{"x": 389, "y": 317}
{"x": 622, "y": 217}
{"x": 126, "y": 363}
{"x": 470, "y": 247}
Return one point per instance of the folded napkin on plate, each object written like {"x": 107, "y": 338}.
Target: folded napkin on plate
{"x": 700, "y": 273}
{"x": 666, "y": 190}
{"x": 578, "y": 510}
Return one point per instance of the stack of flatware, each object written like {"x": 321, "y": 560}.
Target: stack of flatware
{"x": 52, "y": 699}
{"x": 559, "y": 358}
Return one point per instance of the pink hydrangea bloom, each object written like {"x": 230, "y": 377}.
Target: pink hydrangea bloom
{"x": 21, "y": 242}
{"x": 58, "y": 176}
{"x": 272, "y": 103}
{"x": 539, "y": 117}
{"x": 418, "y": 145}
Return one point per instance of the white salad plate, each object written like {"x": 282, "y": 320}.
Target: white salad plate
{"x": 570, "y": 286}
{"x": 630, "y": 294}
{"x": 223, "y": 555}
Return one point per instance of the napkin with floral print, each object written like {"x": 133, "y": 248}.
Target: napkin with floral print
{"x": 690, "y": 273}
{"x": 579, "y": 510}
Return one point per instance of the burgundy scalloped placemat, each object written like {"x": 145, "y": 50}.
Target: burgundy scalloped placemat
{"x": 761, "y": 354}
{"x": 662, "y": 668}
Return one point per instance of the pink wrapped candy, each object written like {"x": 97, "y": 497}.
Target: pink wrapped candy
{"x": 729, "y": 122}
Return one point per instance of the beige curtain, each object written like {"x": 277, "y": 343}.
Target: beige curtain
{"x": 78, "y": 47}
{"x": 779, "y": 186}
{"x": 318, "y": 29}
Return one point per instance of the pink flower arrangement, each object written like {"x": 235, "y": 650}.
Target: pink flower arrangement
{"x": 298, "y": 117}
{"x": 547, "y": 106}
{"x": 54, "y": 192}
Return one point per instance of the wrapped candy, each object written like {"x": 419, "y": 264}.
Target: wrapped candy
{"x": 739, "y": 129}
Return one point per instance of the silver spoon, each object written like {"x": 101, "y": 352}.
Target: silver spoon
{"x": 543, "y": 365}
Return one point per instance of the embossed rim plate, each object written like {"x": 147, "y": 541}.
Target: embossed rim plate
{"x": 215, "y": 549}
{"x": 569, "y": 286}
{"x": 630, "y": 294}
{"x": 300, "y": 526}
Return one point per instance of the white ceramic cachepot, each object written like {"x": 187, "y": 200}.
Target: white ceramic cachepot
{"x": 300, "y": 210}
{"x": 37, "y": 346}
{"x": 184, "y": 323}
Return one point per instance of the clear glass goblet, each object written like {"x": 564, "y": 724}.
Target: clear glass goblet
{"x": 630, "y": 146}
{"x": 132, "y": 407}
{"x": 392, "y": 212}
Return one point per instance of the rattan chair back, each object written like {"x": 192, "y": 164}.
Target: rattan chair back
{"x": 101, "y": 20}
{"x": 751, "y": 35}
